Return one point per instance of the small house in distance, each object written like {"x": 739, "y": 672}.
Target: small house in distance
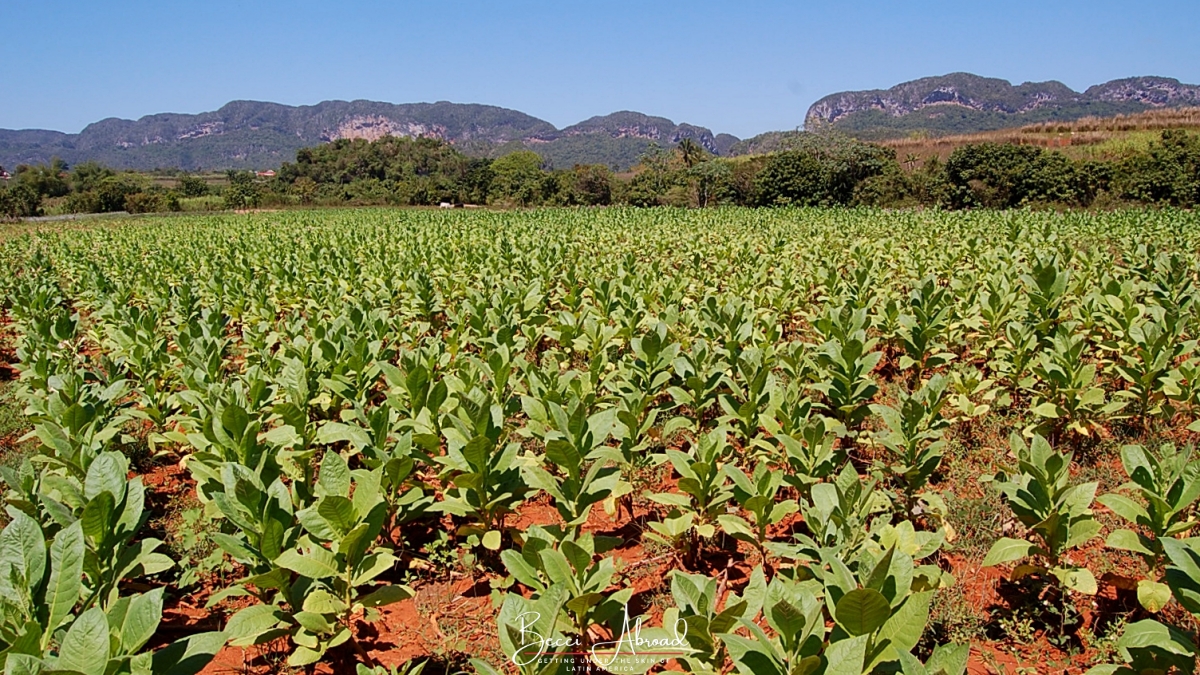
{"x": 269, "y": 173}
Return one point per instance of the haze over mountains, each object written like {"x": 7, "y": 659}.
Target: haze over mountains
{"x": 252, "y": 134}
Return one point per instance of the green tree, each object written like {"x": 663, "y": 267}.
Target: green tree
{"x": 710, "y": 180}
{"x": 305, "y": 188}
{"x": 824, "y": 168}
{"x": 89, "y": 175}
{"x": 19, "y": 201}
{"x": 1001, "y": 175}
{"x": 47, "y": 180}
{"x": 1167, "y": 173}
{"x": 691, "y": 153}
{"x": 592, "y": 184}
{"x": 517, "y": 178}
{"x": 790, "y": 178}
{"x": 192, "y": 186}
{"x": 242, "y": 192}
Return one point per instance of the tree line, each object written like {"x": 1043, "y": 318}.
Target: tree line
{"x": 812, "y": 169}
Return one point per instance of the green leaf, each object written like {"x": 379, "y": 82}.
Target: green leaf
{"x": 845, "y": 657}
{"x": 491, "y": 540}
{"x": 862, "y": 611}
{"x": 339, "y": 512}
{"x": 251, "y": 622}
{"x": 557, "y": 568}
{"x": 1048, "y": 410}
{"x": 66, "y": 570}
{"x": 1150, "y": 633}
{"x": 906, "y": 626}
{"x": 482, "y": 667}
{"x": 97, "y": 515}
{"x": 316, "y": 564}
{"x": 141, "y": 620}
{"x": 23, "y": 664}
{"x": 1007, "y": 550}
{"x": 22, "y": 543}
{"x": 323, "y": 602}
{"x": 313, "y": 622}
{"x": 949, "y": 659}
{"x": 1125, "y": 507}
{"x": 334, "y": 478}
{"x": 736, "y": 527}
{"x": 85, "y": 648}
{"x": 336, "y": 432}
{"x": 1127, "y": 540}
{"x": 106, "y": 474}
{"x": 1078, "y": 579}
{"x": 304, "y": 656}
{"x": 1153, "y": 595}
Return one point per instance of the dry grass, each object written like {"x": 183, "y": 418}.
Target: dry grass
{"x": 1087, "y": 138}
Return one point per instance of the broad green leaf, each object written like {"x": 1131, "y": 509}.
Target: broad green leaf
{"x": 66, "y": 570}
{"x": 1126, "y": 540}
{"x": 1007, "y": 550}
{"x": 85, "y": 648}
{"x": 317, "y": 563}
{"x": 1153, "y": 595}
{"x": 862, "y": 611}
{"x": 251, "y": 622}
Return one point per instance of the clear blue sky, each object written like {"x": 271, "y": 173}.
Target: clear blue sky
{"x": 739, "y": 67}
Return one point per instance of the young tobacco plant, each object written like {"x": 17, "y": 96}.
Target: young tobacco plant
{"x": 519, "y": 621}
{"x": 482, "y": 468}
{"x": 1169, "y": 482}
{"x": 703, "y": 483}
{"x": 923, "y": 325}
{"x": 1149, "y": 647}
{"x": 1057, "y": 514}
{"x": 809, "y": 452}
{"x": 914, "y": 438}
{"x": 757, "y": 496}
{"x": 1068, "y": 397}
{"x": 45, "y": 627}
{"x": 548, "y": 563}
{"x": 334, "y": 562}
{"x": 845, "y": 367}
{"x": 839, "y": 517}
{"x": 697, "y": 617}
{"x": 575, "y": 447}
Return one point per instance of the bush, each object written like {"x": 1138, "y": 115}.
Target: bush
{"x": 242, "y": 192}
{"x": 107, "y": 196}
{"x": 19, "y": 201}
{"x": 1002, "y": 176}
{"x": 819, "y": 169}
{"x": 193, "y": 186}
{"x": 154, "y": 201}
{"x": 1168, "y": 173}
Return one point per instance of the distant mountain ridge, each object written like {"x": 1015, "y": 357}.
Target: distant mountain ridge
{"x": 965, "y": 103}
{"x": 253, "y": 134}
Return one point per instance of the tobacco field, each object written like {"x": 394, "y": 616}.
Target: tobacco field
{"x": 800, "y": 442}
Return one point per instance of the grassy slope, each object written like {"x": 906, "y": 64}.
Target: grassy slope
{"x": 1091, "y": 138}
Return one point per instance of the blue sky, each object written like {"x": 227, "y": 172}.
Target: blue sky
{"x": 739, "y": 67}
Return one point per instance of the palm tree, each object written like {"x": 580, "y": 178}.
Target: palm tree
{"x": 690, "y": 152}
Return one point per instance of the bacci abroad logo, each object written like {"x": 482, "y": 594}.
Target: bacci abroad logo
{"x": 635, "y": 651}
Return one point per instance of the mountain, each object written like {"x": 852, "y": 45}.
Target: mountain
{"x": 961, "y": 103}
{"x": 253, "y": 134}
